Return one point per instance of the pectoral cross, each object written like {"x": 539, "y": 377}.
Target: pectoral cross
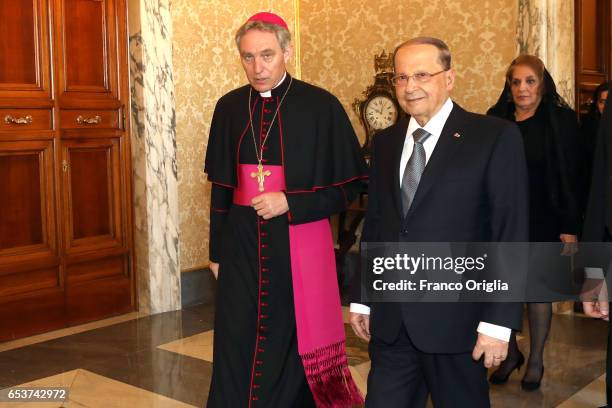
{"x": 260, "y": 174}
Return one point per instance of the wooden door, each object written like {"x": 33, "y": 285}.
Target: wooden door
{"x": 65, "y": 208}
{"x": 91, "y": 74}
{"x": 593, "y": 51}
{"x": 31, "y": 277}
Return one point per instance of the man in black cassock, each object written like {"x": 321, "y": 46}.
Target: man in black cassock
{"x": 281, "y": 156}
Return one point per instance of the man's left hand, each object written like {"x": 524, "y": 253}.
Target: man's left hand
{"x": 495, "y": 351}
{"x": 270, "y": 205}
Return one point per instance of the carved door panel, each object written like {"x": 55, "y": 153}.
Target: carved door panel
{"x": 87, "y": 40}
{"x": 24, "y": 49}
{"x": 98, "y": 280}
{"x": 91, "y": 195}
{"x": 31, "y": 284}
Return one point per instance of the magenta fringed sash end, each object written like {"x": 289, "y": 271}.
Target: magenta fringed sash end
{"x": 318, "y": 316}
{"x": 329, "y": 377}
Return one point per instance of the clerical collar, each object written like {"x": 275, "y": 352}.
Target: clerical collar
{"x": 268, "y": 94}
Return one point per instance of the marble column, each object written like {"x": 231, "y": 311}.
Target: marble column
{"x": 546, "y": 29}
{"x": 153, "y": 136}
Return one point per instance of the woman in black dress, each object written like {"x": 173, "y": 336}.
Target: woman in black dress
{"x": 550, "y": 130}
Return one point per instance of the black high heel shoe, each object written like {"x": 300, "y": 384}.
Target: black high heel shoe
{"x": 497, "y": 378}
{"x": 532, "y": 385}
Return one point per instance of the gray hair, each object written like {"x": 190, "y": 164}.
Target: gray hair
{"x": 282, "y": 35}
{"x": 444, "y": 55}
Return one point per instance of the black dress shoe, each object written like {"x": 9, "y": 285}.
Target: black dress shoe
{"x": 500, "y": 378}
{"x": 532, "y": 385}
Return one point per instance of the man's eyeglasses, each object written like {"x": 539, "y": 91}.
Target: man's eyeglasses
{"x": 418, "y": 77}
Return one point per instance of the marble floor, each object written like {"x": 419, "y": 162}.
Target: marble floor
{"x": 165, "y": 361}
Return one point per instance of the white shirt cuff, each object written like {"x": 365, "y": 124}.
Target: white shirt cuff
{"x": 359, "y": 308}
{"x": 593, "y": 273}
{"x": 493, "y": 330}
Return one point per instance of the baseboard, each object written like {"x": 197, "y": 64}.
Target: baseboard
{"x": 198, "y": 287}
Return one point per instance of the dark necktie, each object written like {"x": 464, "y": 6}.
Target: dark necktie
{"x": 414, "y": 168}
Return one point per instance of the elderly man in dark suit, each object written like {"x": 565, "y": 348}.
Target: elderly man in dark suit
{"x": 443, "y": 175}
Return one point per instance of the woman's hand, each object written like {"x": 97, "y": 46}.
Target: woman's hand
{"x": 571, "y": 244}
{"x": 214, "y": 268}
{"x": 567, "y": 238}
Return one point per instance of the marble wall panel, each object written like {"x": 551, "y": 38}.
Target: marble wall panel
{"x": 153, "y": 135}
{"x": 546, "y": 29}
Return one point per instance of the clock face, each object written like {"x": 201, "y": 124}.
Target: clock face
{"x": 380, "y": 112}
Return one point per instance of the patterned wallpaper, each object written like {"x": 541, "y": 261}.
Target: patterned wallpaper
{"x": 338, "y": 39}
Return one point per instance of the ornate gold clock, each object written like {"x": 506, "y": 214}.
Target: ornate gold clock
{"x": 378, "y": 108}
{"x": 380, "y": 111}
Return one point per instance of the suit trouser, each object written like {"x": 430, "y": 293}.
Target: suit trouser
{"x": 402, "y": 377}
{"x": 609, "y": 364}
{"x": 608, "y": 238}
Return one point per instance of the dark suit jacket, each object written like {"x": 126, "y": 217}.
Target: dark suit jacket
{"x": 598, "y": 218}
{"x": 473, "y": 189}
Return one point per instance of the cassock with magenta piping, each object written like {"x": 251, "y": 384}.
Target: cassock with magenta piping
{"x": 279, "y": 338}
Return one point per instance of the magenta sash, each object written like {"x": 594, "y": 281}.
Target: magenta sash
{"x": 247, "y": 184}
{"x": 318, "y": 313}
